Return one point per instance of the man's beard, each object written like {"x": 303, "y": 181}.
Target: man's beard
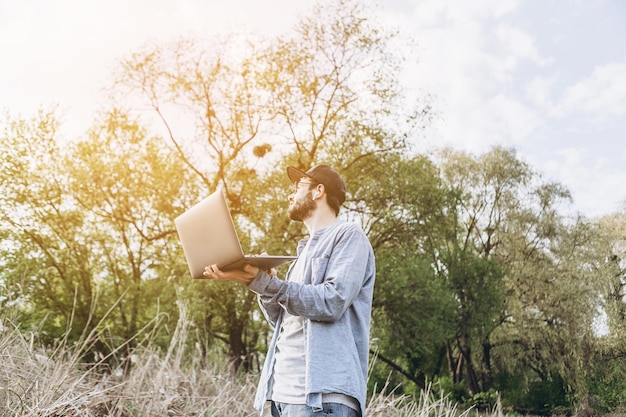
{"x": 302, "y": 209}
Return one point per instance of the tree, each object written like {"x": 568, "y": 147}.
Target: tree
{"x": 321, "y": 95}
{"x": 483, "y": 236}
{"x": 440, "y": 292}
{"x": 129, "y": 189}
{"x": 413, "y": 313}
{"x": 488, "y": 190}
{"x": 47, "y": 257}
{"x": 613, "y": 245}
{"x": 606, "y": 383}
{"x": 534, "y": 306}
{"x": 88, "y": 226}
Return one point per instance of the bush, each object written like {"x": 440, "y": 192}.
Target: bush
{"x": 608, "y": 387}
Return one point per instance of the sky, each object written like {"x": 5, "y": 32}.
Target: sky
{"x": 545, "y": 77}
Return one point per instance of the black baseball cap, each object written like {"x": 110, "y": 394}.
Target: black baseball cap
{"x": 323, "y": 174}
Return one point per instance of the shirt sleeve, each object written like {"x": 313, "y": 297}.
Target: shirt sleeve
{"x": 270, "y": 310}
{"x": 336, "y": 281}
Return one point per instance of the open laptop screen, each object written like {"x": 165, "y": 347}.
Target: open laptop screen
{"x": 208, "y": 236}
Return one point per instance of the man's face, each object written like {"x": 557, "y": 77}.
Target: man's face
{"x": 301, "y": 204}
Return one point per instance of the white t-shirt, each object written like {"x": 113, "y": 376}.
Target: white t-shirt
{"x": 290, "y": 365}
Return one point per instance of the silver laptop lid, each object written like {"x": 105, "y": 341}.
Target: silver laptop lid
{"x": 208, "y": 235}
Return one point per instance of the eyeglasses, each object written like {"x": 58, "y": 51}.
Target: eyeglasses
{"x": 299, "y": 183}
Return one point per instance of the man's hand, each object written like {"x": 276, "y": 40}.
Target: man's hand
{"x": 245, "y": 276}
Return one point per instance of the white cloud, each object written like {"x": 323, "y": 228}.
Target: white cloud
{"x": 491, "y": 65}
{"x": 519, "y": 44}
{"x": 601, "y": 95}
{"x": 64, "y": 51}
{"x": 597, "y": 185}
{"x": 539, "y": 92}
{"x": 487, "y": 67}
{"x": 429, "y": 13}
{"x": 512, "y": 119}
{"x": 469, "y": 59}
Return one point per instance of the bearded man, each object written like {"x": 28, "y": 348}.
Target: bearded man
{"x": 317, "y": 361}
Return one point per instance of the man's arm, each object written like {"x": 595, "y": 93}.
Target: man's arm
{"x": 325, "y": 300}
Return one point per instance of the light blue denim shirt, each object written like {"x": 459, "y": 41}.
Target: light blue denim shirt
{"x": 335, "y": 299}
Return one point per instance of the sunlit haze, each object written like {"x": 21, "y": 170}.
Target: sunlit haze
{"x": 545, "y": 77}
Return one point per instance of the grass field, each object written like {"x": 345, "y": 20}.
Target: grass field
{"x": 35, "y": 381}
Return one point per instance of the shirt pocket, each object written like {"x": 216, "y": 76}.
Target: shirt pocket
{"x": 318, "y": 269}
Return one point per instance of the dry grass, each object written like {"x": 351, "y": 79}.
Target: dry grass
{"x": 428, "y": 405}
{"x": 54, "y": 383}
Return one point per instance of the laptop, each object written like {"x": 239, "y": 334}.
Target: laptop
{"x": 208, "y": 236}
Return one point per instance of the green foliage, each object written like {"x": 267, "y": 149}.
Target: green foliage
{"x": 456, "y": 391}
{"x": 547, "y": 396}
{"x": 47, "y": 260}
{"x": 485, "y": 400}
{"x": 413, "y": 317}
{"x": 608, "y": 386}
{"x": 482, "y": 283}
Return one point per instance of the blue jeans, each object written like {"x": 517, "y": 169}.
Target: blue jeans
{"x": 300, "y": 410}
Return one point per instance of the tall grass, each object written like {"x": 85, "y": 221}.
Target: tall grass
{"x": 427, "y": 405}
{"x": 55, "y": 382}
